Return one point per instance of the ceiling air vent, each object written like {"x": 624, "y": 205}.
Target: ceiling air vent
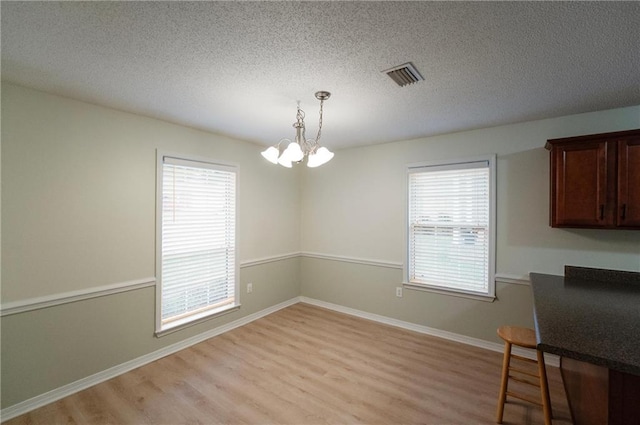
{"x": 404, "y": 74}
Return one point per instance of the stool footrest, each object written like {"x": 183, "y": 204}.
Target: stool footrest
{"x": 525, "y": 381}
{"x": 524, "y": 372}
{"x": 524, "y": 359}
{"x": 524, "y": 397}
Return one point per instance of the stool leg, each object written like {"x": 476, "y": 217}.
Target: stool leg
{"x": 544, "y": 389}
{"x": 504, "y": 382}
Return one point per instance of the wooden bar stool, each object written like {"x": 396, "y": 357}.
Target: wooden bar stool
{"x": 522, "y": 337}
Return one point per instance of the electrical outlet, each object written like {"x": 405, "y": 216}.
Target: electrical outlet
{"x": 399, "y": 291}
{"x": 249, "y": 288}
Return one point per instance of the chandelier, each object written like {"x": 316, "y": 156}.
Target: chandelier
{"x": 295, "y": 151}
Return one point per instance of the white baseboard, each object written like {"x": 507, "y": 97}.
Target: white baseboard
{"x": 84, "y": 383}
{"x": 550, "y": 359}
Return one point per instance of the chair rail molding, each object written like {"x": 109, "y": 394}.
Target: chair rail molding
{"x": 29, "y": 304}
{"x": 346, "y": 259}
{"x": 513, "y": 279}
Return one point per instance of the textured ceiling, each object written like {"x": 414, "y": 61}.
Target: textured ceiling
{"x": 239, "y": 68}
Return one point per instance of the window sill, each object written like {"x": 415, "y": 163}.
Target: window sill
{"x": 450, "y": 292}
{"x": 190, "y": 321}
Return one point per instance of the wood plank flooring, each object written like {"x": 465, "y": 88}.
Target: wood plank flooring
{"x": 307, "y": 365}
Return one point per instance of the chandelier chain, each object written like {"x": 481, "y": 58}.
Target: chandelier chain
{"x": 320, "y": 123}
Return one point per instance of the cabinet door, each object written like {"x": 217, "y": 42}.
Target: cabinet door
{"x": 628, "y": 214}
{"x": 579, "y": 185}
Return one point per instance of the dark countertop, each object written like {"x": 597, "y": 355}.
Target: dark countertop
{"x": 596, "y": 321}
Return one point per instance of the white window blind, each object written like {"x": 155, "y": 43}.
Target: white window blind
{"x": 198, "y": 254}
{"x": 449, "y": 227}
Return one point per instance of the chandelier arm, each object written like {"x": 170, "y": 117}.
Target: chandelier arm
{"x": 301, "y": 122}
{"x": 310, "y": 147}
{"x": 300, "y": 115}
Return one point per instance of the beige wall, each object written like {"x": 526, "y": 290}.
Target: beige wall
{"x": 78, "y": 208}
{"x": 353, "y": 207}
{"x": 78, "y": 199}
{"x": 372, "y": 289}
{"x": 78, "y": 212}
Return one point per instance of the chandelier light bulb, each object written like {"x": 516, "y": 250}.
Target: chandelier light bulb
{"x": 322, "y": 156}
{"x": 284, "y": 161}
{"x": 313, "y": 160}
{"x": 294, "y": 152}
{"x": 271, "y": 154}
{"x": 326, "y": 154}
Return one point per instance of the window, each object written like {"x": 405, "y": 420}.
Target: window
{"x": 450, "y": 227}
{"x": 196, "y": 236}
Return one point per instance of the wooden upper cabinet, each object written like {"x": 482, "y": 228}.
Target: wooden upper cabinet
{"x": 595, "y": 181}
{"x": 580, "y": 185}
{"x": 629, "y": 182}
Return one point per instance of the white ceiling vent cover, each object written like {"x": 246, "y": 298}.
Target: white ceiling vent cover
{"x": 404, "y": 74}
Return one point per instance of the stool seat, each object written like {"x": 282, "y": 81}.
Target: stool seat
{"x": 526, "y": 338}
{"x": 522, "y": 337}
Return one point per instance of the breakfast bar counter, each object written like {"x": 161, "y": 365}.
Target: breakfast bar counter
{"x": 591, "y": 319}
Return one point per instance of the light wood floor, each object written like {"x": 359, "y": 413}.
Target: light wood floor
{"x": 307, "y": 365}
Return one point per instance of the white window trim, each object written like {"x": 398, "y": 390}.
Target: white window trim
{"x": 193, "y": 320}
{"x": 490, "y": 296}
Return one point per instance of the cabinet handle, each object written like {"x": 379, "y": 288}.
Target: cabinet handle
{"x": 602, "y": 212}
{"x": 624, "y": 211}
